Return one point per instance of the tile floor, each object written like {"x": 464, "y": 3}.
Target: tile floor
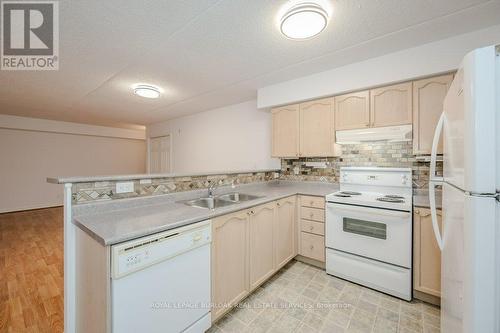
{"x": 303, "y": 298}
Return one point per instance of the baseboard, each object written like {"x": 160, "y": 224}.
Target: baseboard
{"x": 21, "y": 210}
{"x": 310, "y": 261}
{"x": 431, "y": 299}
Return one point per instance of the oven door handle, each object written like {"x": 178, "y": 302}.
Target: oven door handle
{"x": 338, "y": 208}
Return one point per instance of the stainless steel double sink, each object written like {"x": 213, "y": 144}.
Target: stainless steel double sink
{"x": 220, "y": 201}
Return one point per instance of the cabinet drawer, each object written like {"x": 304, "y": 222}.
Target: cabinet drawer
{"x": 314, "y": 214}
{"x": 314, "y": 202}
{"x": 312, "y": 246}
{"x": 312, "y": 227}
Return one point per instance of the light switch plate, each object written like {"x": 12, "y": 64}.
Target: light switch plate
{"x": 124, "y": 187}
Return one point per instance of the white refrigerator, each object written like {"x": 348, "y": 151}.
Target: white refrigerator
{"x": 470, "y": 235}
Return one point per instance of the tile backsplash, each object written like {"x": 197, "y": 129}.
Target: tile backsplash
{"x": 379, "y": 154}
{"x": 382, "y": 154}
{"x": 101, "y": 191}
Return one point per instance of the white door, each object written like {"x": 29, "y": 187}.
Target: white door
{"x": 159, "y": 154}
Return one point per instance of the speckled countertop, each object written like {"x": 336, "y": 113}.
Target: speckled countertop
{"x": 121, "y": 220}
{"x": 421, "y": 198}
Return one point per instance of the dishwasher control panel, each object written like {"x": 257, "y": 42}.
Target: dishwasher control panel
{"x": 141, "y": 253}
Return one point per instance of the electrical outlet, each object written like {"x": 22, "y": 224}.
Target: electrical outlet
{"x": 124, "y": 187}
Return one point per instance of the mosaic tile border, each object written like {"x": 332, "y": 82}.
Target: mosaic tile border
{"x": 103, "y": 191}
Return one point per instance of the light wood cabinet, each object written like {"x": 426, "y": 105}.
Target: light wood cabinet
{"x": 312, "y": 228}
{"x": 262, "y": 264}
{"x": 230, "y": 248}
{"x": 352, "y": 111}
{"x": 391, "y": 105}
{"x": 305, "y": 130}
{"x": 428, "y": 98}
{"x": 285, "y": 231}
{"x": 426, "y": 253}
{"x": 317, "y": 134}
{"x": 248, "y": 247}
{"x": 285, "y": 131}
{"x": 312, "y": 246}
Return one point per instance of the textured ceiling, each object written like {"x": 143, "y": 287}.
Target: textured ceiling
{"x": 209, "y": 53}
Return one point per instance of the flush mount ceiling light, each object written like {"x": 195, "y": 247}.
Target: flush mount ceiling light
{"x": 147, "y": 91}
{"x": 304, "y": 20}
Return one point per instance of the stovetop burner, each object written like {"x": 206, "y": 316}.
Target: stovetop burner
{"x": 349, "y": 193}
{"x": 391, "y": 199}
{"x": 392, "y": 196}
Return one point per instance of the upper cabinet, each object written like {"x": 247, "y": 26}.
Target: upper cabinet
{"x": 317, "y": 135}
{"x": 391, "y": 105}
{"x": 352, "y": 111}
{"x": 305, "y": 130}
{"x": 285, "y": 134}
{"x": 428, "y": 98}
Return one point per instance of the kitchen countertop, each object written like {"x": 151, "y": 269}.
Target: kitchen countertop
{"x": 117, "y": 221}
{"x": 421, "y": 198}
{"x": 92, "y": 179}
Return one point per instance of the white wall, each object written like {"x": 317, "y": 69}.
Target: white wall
{"x": 28, "y": 156}
{"x": 437, "y": 57}
{"x": 232, "y": 138}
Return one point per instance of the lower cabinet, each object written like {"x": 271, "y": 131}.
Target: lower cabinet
{"x": 261, "y": 243}
{"x": 426, "y": 253}
{"x": 311, "y": 231}
{"x": 229, "y": 261}
{"x": 248, "y": 247}
{"x": 285, "y": 231}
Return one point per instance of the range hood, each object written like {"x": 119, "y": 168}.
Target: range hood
{"x": 390, "y": 133}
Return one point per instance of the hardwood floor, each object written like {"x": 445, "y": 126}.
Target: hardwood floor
{"x": 31, "y": 271}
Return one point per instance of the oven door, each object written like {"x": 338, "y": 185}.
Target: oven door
{"x": 375, "y": 233}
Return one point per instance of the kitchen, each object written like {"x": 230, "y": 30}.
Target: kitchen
{"x": 334, "y": 195}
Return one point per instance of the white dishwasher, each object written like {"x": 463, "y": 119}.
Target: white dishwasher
{"x": 161, "y": 283}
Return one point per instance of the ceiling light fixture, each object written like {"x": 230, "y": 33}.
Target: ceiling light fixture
{"x": 304, "y": 20}
{"x": 147, "y": 91}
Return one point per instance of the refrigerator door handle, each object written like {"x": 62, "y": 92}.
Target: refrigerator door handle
{"x": 435, "y": 181}
{"x": 435, "y": 143}
{"x": 432, "y": 202}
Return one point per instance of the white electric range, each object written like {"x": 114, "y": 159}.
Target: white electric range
{"x": 369, "y": 229}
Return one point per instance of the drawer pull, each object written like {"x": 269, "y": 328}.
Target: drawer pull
{"x": 312, "y": 203}
{"x": 311, "y": 214}
{"x": 278, "y": 204}
{"x": 311, "y": 228}
{"x": 312, "y": 247}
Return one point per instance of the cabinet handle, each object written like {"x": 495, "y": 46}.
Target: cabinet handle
{"x": 312, "y": 203}
{"x": 311, "y": 228}
{"x": 278, "y": 204}
{"x": 311, "y": 214}
{"x": 417, "y": 212}
{"x": 312, "y": 247}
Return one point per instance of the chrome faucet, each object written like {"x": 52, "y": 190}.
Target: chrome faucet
{"x": 211, "y": 188}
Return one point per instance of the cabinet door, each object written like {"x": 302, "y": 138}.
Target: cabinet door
{"x": 428, "y": 98}
{"x": 229, "y": 260}
{"x": 261, "y": 243}
{"x": 391, "y": 105}
{"x": 285, "y": 129}
{"x": 427, "y": 256}
{"x": 352, "y": 111}
{"x": 317, "y": 128}
{"x": 285, "y": 231}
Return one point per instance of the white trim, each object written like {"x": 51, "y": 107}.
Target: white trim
{"x": 69, "y": 264}
{"x": 54, "y": 126}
